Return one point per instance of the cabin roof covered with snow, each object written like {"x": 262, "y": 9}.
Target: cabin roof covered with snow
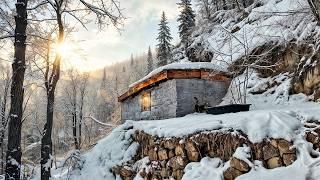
{"x": 190, "y": 70}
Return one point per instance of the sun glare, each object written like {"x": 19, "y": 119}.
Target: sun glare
{"x": 73, "y": 57}
{"x": 63, "y": 49}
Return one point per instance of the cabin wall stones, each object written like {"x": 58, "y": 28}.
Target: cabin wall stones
{"x": 163, "y": 103}
{"x": 174, "y": 98}
{"x": 207, "y": 92}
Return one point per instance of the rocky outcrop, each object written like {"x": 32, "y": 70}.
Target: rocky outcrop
{"x": 306, "y": 79}
{"x": 198, "y": 53}
{"x": 312, "y": 134}
{"x": 169, "y": 156}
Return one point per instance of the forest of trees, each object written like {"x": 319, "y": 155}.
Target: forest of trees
{"x": 43, "y": 107}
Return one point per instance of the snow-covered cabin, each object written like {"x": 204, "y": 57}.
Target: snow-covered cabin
{"x": 174, "y": 90}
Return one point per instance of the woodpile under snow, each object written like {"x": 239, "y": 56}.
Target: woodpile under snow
{"x": 168, "y": 157}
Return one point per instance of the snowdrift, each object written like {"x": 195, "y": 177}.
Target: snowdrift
{"x": 288, "y": 124}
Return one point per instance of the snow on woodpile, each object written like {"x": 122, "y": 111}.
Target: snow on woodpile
{"x": 181, "y": 66}
{"x": 232, "y": 34}
{"x": 256, "y": 124}
{"x": 119, "y": 147}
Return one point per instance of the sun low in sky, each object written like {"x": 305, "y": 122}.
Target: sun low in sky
{"x": 91, "y": 49}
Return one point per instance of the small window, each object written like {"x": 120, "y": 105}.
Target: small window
{"x": 146, "y": 101}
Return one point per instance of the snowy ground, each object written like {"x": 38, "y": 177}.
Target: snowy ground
{"x": 274, "y": 114}
{"x": 258, "y": 124}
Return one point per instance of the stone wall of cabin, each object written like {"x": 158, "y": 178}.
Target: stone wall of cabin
{"x": 175, "y": 98}
{"x": 207, "y": 92}
{"x": 163, "y": 103}
{"x": 163, "y": 100}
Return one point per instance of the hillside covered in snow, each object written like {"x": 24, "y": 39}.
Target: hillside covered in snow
{"x": 291, "y": 123}
{"x": 269, "y": 36}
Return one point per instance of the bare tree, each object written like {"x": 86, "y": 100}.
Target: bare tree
{"x": 104, "y": 14}
{"x": 315, "y": 8}
{"x": 17, "y": 92}
{"x": 207, "y": 7}
{"x": 76, "y": 90}
{"x": 5, "y": 76}
{"x": 83, "y": 85}
{"x": 72, "y": 91}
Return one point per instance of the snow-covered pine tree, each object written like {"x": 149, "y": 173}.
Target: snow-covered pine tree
{"x": 164, "y": 38}
{"x": 149, "y": 61}
{"x": 186, "y": 19}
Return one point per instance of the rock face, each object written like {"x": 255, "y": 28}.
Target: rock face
{"x": 168, "y": 157}
{"x": 199, "y": 54}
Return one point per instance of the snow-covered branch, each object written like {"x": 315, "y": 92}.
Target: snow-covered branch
{"x": 97, "y": 121}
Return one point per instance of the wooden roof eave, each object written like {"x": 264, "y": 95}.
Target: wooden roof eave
{"x": 162, "y": 76}
{"x": 173, "y": 74}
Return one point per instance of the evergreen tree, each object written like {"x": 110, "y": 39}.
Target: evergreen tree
{"x": 104, "y": 79}
{"x": 186, "y": 19}
{"x": 149, "y": 61}
{"x": 131, "y": 61}
{"x": 103, "y": 111}
{"x": 164, "y": 38}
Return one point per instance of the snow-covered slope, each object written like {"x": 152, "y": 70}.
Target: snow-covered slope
{"x": 274, "y": 114}
{"x": 231, "y": 34}
{"x": 117, "y": 148}
{"x": 276, "y": 121}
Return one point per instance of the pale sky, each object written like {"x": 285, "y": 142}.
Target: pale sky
{"x": 139, "y": 31}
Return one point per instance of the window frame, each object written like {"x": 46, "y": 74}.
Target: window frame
{"x": 145, "y": 101}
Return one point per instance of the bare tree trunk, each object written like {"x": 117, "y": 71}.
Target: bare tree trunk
{"x": 81, "y": 116}
{"x": 315, "y": 8}
{"x": 50, "y": 83}
{"x": 83, "y": 87}
{"x": 73, "y": 101}
{"x": 224, "y": 5}
{"x": 4, "y": 119}
{"x": 17, "y": 92}
{"x": 236, "y": 2}
{"x": 244, "y": 3}
{"x": 2, "y": 160}
{"x": 80, "y": 126}
{"x": 216, "y": 5}
{"x": 74, "y": 118}
{"x": 46, "y": 142}
{"x": 3, "y": 111}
